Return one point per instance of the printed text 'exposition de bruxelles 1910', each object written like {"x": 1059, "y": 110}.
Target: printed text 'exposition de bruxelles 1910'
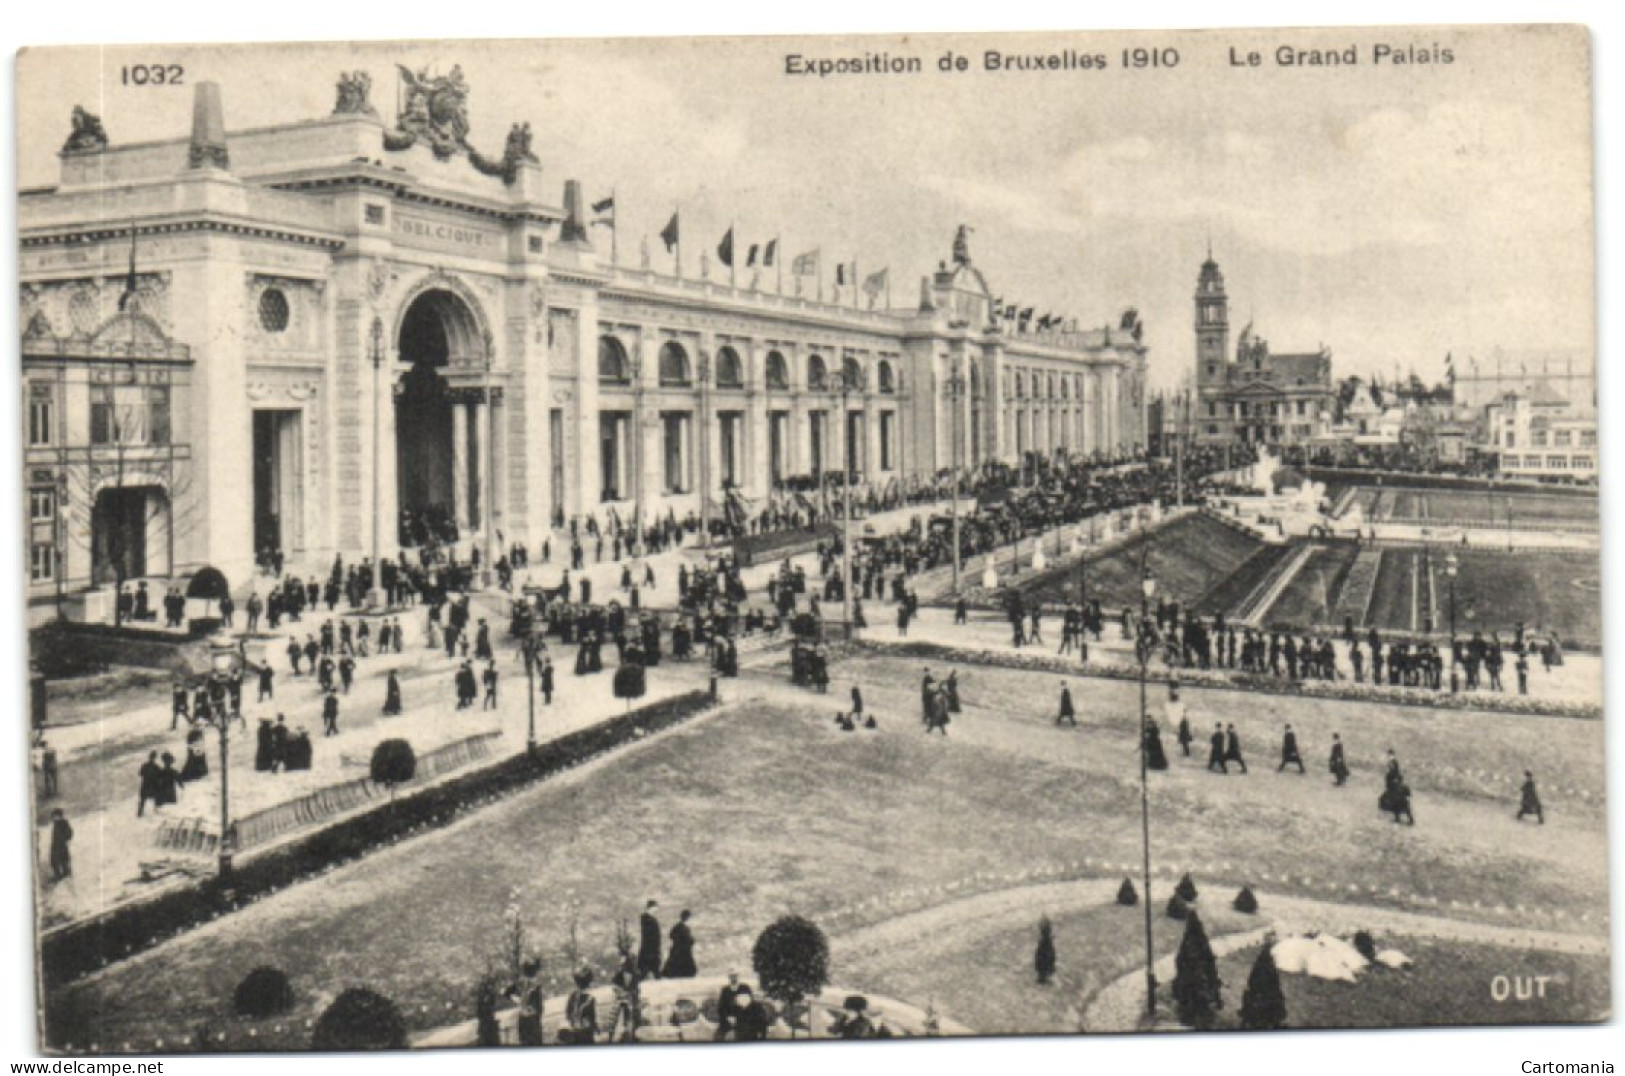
{"x": 1134, "y": 58}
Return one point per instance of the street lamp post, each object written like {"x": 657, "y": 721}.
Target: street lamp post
{"x": 1148, "y": 587}
{"x": 955, "y": 385}
{"x": 530, "y": 650}
{"x": 1451, "y": 566}
{"x": 225, "y": 661}
{"x": 375, "y": 595}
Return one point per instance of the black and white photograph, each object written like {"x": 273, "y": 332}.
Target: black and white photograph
{"x": 704, "y": 540}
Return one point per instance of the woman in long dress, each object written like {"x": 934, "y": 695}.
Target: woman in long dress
{"x": 1155, "y": 759}
{"x": 680, "y": 957}
{"x": 392, "y": 696}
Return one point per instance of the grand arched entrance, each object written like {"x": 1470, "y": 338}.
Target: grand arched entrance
{"x": 437, "y": 455}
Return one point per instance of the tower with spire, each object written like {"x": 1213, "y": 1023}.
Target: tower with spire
{"x": 1212, "y": 327}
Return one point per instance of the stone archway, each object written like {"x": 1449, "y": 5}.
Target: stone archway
{"x": 437, "y": 450}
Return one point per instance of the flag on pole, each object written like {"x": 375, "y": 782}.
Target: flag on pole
{"x": 670, "y": 234}
{"x": 605, "y": 208}
{"x": 129, "y": 278}
{"x": 750, "y": 255}
{"x": 843, "y": 274}
{"x": 725, "y": 249}
{"x": 874, "y": 285}
{"x": 805, "y": 264}
{"x": 770, "y": 253}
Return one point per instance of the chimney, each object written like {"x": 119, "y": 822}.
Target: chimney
{"x": 575, "y": 217}
{"x": 208, "y": 148}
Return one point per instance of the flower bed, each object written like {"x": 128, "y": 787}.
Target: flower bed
{"x": 87, "y": 945}
{"x": 1225, "y": 679}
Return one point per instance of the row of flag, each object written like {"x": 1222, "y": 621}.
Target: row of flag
{"x": 809, "y": 265}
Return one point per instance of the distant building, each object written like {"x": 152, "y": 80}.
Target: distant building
{"x": 1255, "y": 396}
{"x": 1538, "y": 435}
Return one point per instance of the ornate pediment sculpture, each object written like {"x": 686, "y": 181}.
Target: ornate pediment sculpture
{"x": 354, "y": 95}
{"x": 434, "y": 111}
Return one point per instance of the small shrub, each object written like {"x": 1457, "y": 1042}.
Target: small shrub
{"x": 1365, "y": 945}
{"x": 1245, "y": 902}
{"x": 1044, "y": 955}
{"x": 1126, "y": 894}
{"x": 1186, "y": 889}
{"x": 1196, "y": 978}
{"x": 265, "y": 991}
{"x": 359, "y": 1019}
{"x": 1263, "y": 1006}
{"x": 393, "y": 763}
{"x": 631, "y": 682}
{"x": 1177, "y": 908}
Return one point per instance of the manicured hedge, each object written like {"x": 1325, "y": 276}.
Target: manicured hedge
{"x": 82, "y": 947}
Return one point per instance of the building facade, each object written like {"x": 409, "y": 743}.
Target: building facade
{"x": 1539, "y": 435}
{"x": 329, "y": 336}
{"x": 1253, "y": 396}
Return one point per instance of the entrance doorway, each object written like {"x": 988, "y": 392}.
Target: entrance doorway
{"x": 437, "y": 332}
{"x": 118, "y": 532}
{"x": 276, "y": 481}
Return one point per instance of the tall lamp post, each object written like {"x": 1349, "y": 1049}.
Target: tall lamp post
{"x": 846, "y": 380}
{"x": 1148, "y": 587}
{"x": 954, "y": 384}
{"x": 225, "y": 662}
{"x": 1451, "y": 566}
{"x": 531, "y": 648}
{"x": 375, "y": 596}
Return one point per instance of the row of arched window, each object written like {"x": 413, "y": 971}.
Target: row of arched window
{"x": 676, "y": 371}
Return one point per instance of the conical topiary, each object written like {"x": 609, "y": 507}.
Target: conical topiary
{"x": 1186, "y": 889}
{"x": 1126, "y": 894}
{"x": 1263, "y": 1006}
{"x": 1044, "y": 955}
{"x": 1177, "y": 908}
{"x": 1196, "y": 977}
{"x": 1364, "y": 944}
{"x": 1245, "y": 902}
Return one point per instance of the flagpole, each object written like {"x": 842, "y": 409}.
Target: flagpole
{"x": 677, "y": 244}
{"x": 733, "y": 259}
{"x": 818, "y": 272}
{"x": 614, "y": 229}
{"x": 778, "y": 264}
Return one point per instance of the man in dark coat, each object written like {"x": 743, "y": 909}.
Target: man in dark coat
{"x": 1531, "y": 800}
{"x": 1066, "y": 713}
{"x": 150, "y": 773}
{"x": 1289, "y": 751}
{"x": 1215, "y": 754}
{"x": 649, "y": 943}
{"x": 61, "y": 837}
{"x": 1232, "y": 748}
{"x": 1337, "y": 764}
{"x": 726, "y": 1006}
{"x": 330, "y": 715}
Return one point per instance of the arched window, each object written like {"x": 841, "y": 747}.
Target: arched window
{"x": 613, "y": 367}
{"x": 730, "y": 373}
{"x": 883, "y": 374}
{"x": 975, "y": 379}
{"x": 853, "y": 372}
{"x": 673, "y": 364}
{"x": 817, "y": 373}
{"x": 1049, "y": 387}
{"x": 1066, "y": 389}
{"x": 778, "y": 372}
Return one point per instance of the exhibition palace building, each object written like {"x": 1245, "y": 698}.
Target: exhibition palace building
{"x": 338, "y": 335}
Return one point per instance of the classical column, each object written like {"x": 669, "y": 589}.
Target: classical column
{"x": 485, "y": 488}
{"x": 459, "y": 466}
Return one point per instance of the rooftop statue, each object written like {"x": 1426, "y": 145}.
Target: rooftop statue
{"x": 354, "y": 89}
{"x": 87, "y": 132}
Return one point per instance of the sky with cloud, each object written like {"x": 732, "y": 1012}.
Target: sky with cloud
{"x": 1390, "y": 213}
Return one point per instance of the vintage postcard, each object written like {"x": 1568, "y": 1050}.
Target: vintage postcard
{"x": 540, "y": 543}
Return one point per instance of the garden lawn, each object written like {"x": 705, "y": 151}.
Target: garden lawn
{"x": 1545, "y": 590}
{"x": 767, "y": 808}
{"x": 1393, "y": 599}
{"x": 1312, "y": 595}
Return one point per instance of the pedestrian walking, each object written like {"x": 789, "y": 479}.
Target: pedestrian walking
{"x": 1531, "y": 800}
{"x": 1289, "y": 751}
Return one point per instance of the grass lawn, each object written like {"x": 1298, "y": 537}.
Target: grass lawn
{"x": 1449, "y": 984}
{"x": 1393, "y": 598}
{"x": 1494, "y": 591}
{"x": 1312, "y": 595}
{"x": 767, "y": 808}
